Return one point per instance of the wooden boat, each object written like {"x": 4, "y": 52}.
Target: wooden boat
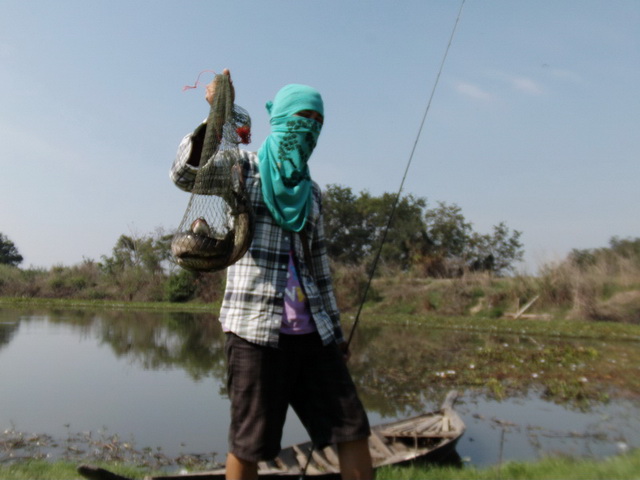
{"x": 430, "y": 437}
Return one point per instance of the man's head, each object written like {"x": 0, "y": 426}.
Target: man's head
{"x": 312, "y": 114}
{"x": 296, "y": 121}
{"x": 295, "y": 99}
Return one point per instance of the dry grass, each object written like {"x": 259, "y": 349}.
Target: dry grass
{"x": 607, "y": 289}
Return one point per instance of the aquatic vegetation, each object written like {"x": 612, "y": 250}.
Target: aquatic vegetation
{"x": 573, "y": 363}
{"x": 100, "y": 447}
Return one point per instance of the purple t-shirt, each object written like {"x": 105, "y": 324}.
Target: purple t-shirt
{"x": 296, "y": 319}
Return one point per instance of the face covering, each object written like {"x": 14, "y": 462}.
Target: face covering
{"x": 286, "y": 181}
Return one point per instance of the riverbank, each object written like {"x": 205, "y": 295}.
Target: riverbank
{"x": 601, "y": 285}
{"x": 620, "y": 467}
{"x": 73, "y": 303}
{"x": 403, "y": 314}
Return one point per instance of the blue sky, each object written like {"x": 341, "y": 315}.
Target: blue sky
{"x": 535, "y": 120}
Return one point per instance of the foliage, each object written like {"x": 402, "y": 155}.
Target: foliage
{"x": 355, "y": 226}
{"x": 210, "y": 286}
{"x": 136, "y": 267}
{"x": 15, "y": 282}
{"x": 345, "y": 227}
{"x": 619, "y": 249}
{"x": 180, "y": 287}
{"x": 600, "y": 284}
{"x": 496, "y": 252}
{"x": 436, "y": 242}
{"x": 456, "y": 248}
{"x": 147, "y": 252}
{"x": 9, "y": 254}
{"x": 350, "y": 284}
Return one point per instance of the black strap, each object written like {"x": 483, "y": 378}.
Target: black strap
{"x": 307, "y": 253}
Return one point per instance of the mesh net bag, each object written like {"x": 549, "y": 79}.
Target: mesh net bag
{"x": 217, "y": 226}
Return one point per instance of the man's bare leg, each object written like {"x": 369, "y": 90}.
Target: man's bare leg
{"x": 355, "y": 460}
{"x": 238, "y": 469}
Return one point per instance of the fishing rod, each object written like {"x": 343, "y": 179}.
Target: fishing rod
{"x": 303, "y": 472}
{"x": 406, "y": 171}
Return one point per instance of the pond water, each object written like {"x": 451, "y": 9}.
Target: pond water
{"x": 157, "y": 379}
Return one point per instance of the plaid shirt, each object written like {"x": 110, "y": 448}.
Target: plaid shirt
{"x": 253, "y": 302}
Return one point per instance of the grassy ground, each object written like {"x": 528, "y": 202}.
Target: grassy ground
{"x": 621, "y": 467}
{"x": 26, "y": 302}
{"x": 60, "y": 470}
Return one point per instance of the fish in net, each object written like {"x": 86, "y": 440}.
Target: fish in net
{"x": 217, "y": 226}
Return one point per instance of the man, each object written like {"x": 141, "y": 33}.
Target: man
{"x": 284, "y": 345}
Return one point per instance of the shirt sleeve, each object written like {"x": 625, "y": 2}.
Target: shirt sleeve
{"x": 321, "y": 267}
{"x": 182, "y": 173}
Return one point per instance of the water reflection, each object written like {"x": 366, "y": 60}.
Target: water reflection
{"x": 158, "y": 377}
{"x": 8, "y": 327}
{"x": 191, "y": 342}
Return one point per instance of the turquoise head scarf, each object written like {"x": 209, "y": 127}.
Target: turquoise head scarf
{"x": 286, "y": 182}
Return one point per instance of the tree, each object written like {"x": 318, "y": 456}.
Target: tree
{"x": 354, "y": 226}
{"x": 626, "y": 248}
{"x": 136, "y": 266}
{"x": 407, "y": 231}
{"x": 496, "y": 252}
{"x": 9, "y": 254}
{"x": 448, "y": 235}
{"x": 437, "y": 242}
{"x": 146, "y": 252}
{"x": 448, "y": 230}
{"x": 348, "y": 238}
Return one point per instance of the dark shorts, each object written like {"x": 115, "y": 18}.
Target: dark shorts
{"x": 312, "y": 378}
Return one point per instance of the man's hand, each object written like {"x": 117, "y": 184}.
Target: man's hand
{"x": 346, "y": 353}
{"x": 211, "y": 88}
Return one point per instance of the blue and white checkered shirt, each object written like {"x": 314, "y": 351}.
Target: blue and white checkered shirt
{"x": 253, "y": 302}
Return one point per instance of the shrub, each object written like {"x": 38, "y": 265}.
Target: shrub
{"x": 349, "y": 284}
{"x": 180, "y": 287}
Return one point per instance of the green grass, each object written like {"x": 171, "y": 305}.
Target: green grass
{"x": 25, "y": 302}
{"x": 612, "y": 331}
{"x": 618, "y": 467}
{"x": 59, "y": 470}
{"x": 621, "y": 467}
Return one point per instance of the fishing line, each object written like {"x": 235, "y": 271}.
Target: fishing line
{"x": 303, "y": 473}
{"x": 406, "y": 171}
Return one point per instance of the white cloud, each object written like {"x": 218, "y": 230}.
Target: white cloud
{"x": 525, "y": 85}
{"x": 473, "y": 91}
{"x": 518, "y": 83}
{"x": 564, "y": 74}
{"x": 521, "y": 84}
